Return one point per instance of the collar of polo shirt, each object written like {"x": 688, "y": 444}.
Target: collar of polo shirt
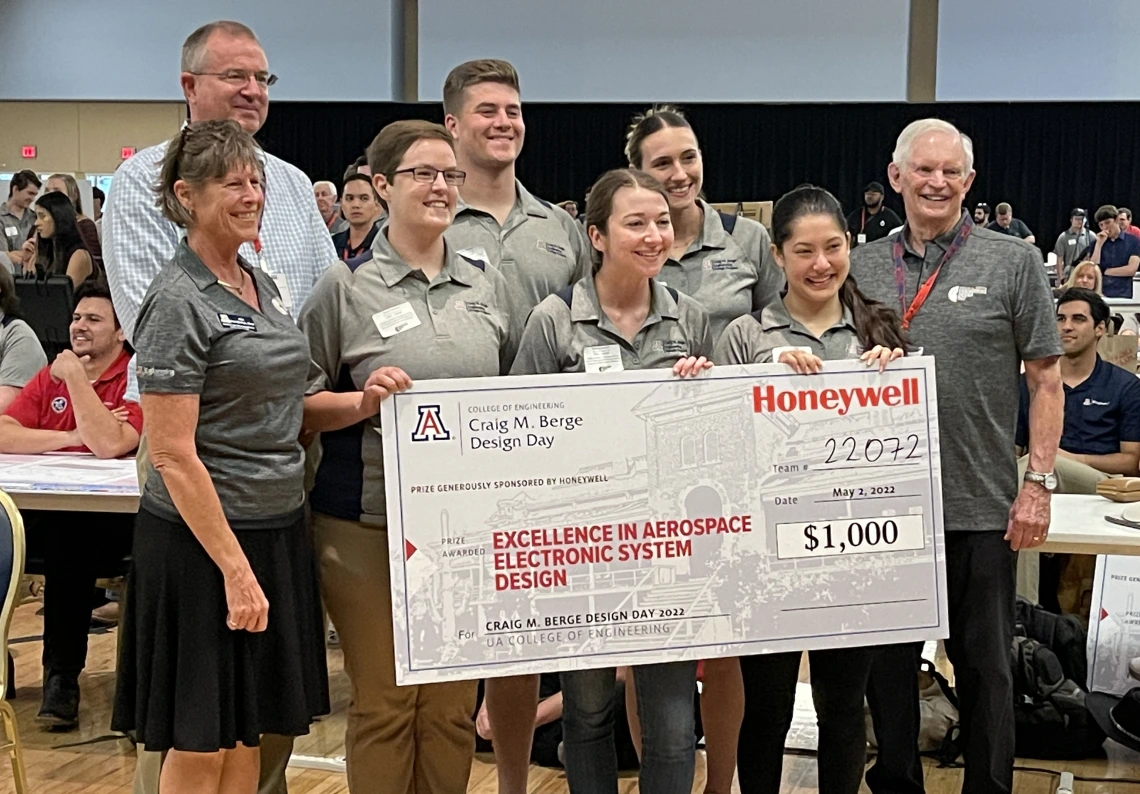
{"x": 942, "y": 241}
{"x": 775, "y": 316}
{"x": 393, "y": 269}
{"x": 196, "y": 269}
{"x": 523, "y": 198}
{"x": 587, "y": 308}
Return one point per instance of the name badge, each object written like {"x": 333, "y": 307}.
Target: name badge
{"x": 860, "y": 238}
{"x": 283, "y": 287}
{"x": 1072, "y": 242}
{"x": 603, "y": 358}
{"x": 236, "y": 321}
{"x": 11, "y": 231}
{"x": 396, "y": 320}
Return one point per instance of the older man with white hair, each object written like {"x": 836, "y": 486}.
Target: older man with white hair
{"x": 325, "y": 193}
{"x": 978, "y": 302}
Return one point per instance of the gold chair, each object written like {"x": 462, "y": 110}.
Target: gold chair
{"x": 11, "y": 568}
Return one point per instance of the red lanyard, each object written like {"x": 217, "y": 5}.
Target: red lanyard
{"x": 908, "y": 312}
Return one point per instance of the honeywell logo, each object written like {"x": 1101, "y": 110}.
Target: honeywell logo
{"x": 765, "y": 399}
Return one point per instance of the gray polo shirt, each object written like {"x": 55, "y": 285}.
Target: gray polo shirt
{"x": 21, "y": 354}
{"x": 751, "y": 339}
{"x": 990, "y": 309}
{"x": 558, "y": 337}
{"x": 379, "y": 312}
{"x": 540, "y": 249}
{"x": 14, "y": 229}
{"x": 729, "y": 274}
{"x": 249, "y": 368}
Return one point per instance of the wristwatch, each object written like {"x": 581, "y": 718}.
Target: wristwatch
{"x": 1047, "y": 480}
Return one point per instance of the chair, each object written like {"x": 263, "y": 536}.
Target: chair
{"x": 11, "y": 568}
{"x": 728, "y": 207}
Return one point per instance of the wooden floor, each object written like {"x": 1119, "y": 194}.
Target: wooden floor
{"x": 94, "y": 761}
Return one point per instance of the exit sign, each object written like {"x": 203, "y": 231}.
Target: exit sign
{"x": 28, "y": 152}
{"x": 127, "y": 152}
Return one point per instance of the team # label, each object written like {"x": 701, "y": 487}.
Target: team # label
{"x": 531, "y": 558}
{"x": 766, "y": 399}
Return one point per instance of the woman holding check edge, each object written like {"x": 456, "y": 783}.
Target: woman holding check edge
{"x": 822, "y": 316}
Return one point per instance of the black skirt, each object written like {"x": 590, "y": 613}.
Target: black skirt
{"x": 185, "y": 680}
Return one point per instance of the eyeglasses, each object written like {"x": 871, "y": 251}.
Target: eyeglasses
{"x": 427, "y": 174}
{"x": 241, "y": 77}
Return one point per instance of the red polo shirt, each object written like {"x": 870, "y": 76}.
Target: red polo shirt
{"x": 44, "y": 403}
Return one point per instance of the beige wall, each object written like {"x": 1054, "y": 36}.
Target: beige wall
{"x": 85, "y": 137}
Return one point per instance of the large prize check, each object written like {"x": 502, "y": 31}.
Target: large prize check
{"x": 558, "y": 522}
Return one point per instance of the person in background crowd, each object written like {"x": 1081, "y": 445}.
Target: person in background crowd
{"x": 88, "y": 232}
{"x": 729, "y": 272}
{"x": 874, "y": 220}
{"x": 622, "y": 305}
{"x": 363, "y": 211}
{"x": 981, "y": 339}
{"x": 821, "y": 316}
{"x": 1101, "y": 434}
{"x": 571, "y": 208}
{"x": 415, "y": 738}
{"x": 21, "y": 354}
{"x": 223, "y": 560}
{"x": 327, "y": 204}
{"x": 1005, "y": 223}
{"x": 1117, "y": 255}
{"x": 1124, "y": 218}
{"x": 540, "y": 250}
{"x": 75, "y": 405}
{"x": 98, "y": 199}
{"x": 17, "y": 217}
{"x": 225, "y": 75}
{"x": 1085, "y": 275}
{"x": 1073, "y": 242}
{"x": 358, "y": 166}
{"x": 982, "y": 215}
{"x": 58, "y": 245}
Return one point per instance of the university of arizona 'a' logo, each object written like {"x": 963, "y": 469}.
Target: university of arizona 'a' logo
{"x": 430, "y": 425}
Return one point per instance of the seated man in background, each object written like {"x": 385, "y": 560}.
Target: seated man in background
{"x": 21, "y": 354}
{"x": 1101, "y": 438}
{"x": 1005, "y": 223}
{"x": 75, "y": 405}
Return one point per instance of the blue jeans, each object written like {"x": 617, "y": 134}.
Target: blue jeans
{"x": 668, "y": 728}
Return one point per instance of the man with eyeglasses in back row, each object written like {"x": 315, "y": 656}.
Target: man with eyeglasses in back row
{"x": 225, "y": 75}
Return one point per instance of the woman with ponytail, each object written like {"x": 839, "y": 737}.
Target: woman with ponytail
{"x": 820, "y": 316}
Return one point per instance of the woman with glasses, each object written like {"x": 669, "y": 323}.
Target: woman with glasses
{"x": 414, "y": 308}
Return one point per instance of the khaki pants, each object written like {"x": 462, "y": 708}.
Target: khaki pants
{"x": 275, "y": 750}
{"x": 1072, "y": 478}
{"x": 402, "y": 740}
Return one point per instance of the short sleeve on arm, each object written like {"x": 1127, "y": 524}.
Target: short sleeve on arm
{"x": 22, "y": 357}
{"x": 1034, "y": 316}
{"x": 320, "y": 320}
{"x": 538, "y": 352}
{"x": 172, "y": 343}
{"x": 25, "y": 409}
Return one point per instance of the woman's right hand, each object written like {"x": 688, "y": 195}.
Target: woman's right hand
{"x": 801, "y": 361}
{"x": 248, "y": 608}
{"x": 380, "y": 384}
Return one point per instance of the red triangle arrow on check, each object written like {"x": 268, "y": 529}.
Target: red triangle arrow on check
{"x": 1103, "y": 613}
{"x": 409, "y": 549}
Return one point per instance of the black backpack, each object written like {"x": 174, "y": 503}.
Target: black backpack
{"x": 1064, "y": 635}
{"x": 1051, "y": 720}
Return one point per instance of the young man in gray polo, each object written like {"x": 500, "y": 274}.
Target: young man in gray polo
{"x": 989, "y": 312}
{"x": 537, "y": 246}
{"x": 540, "y": 250}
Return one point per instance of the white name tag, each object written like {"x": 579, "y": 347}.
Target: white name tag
{"x": 603, "y": 358}
{"x": 236, "y": 321}
{"x": 860, "y": 238}
{"x": 396, "y": 320}
{"x": 283, "y": 287}
{"x": 11, "y": 231}
{"x": 1072, "y": 242}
